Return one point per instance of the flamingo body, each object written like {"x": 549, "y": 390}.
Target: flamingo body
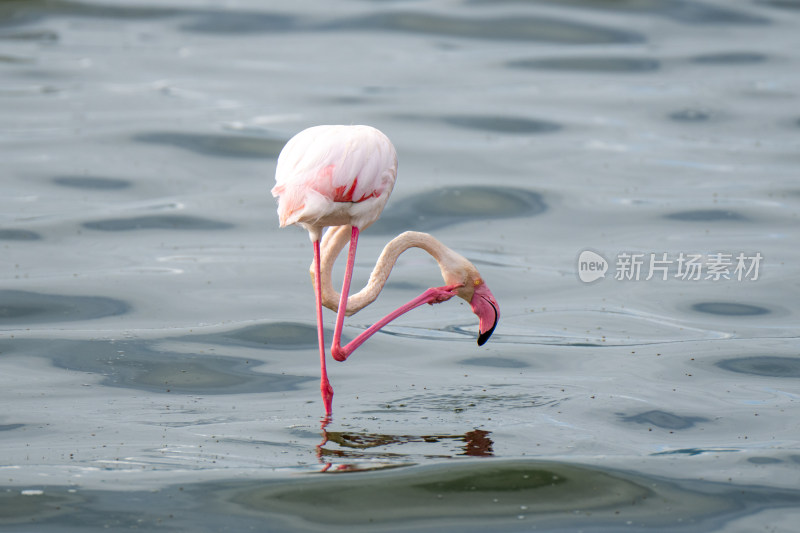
{"x": 334, "y": 176}
{"x": 342, "y": 176}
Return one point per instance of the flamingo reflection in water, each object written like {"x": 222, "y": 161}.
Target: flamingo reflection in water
{"x": 355, "y": 446}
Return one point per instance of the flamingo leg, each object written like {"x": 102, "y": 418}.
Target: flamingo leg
{"x": 431, "y": 296}
{"x": 340, "y": 312}
{"x": 325, "y": 384}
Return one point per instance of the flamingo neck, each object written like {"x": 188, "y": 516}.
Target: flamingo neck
{"x": 337, "y": 237}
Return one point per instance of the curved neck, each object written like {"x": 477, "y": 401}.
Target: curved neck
{"x": 337, "y": 237}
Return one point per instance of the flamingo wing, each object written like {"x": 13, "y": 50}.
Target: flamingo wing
{"x": 328, "y": 165}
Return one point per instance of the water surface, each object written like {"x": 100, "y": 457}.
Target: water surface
{"x": 158, "y": 360}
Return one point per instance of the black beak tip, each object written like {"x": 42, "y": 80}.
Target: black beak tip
{"x": 483, "y": 337}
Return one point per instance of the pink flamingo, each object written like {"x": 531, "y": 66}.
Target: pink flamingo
{"x": 342, "y": 176}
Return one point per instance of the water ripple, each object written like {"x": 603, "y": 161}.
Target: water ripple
{"x": 730, "y": 309}
{"x": 707, "y": 215}
{"x": 270, "y": 336}
{"x": 663, "y": 419}
{"x": 764, "y": 365}
{"x": 233, "y": 23}
{"x": 495, "y": 362}
{"x": 216, "y": 145}
{"x": 602, "y": 64}
{"x": 14, "y": 234}
{"x": 781, "y": 4}
{"x": 491, "y": 398}
{"x": 691, "y": 115}
{"x": 684, "y": 11}
{"x": 576, "y": 327}
{"x": 92, "y": 183}
{"x": 437, "y": 208}
{"x": 501, "y": 124}
{"x": 158, "y": 222}
{"x": 730, "y": 58}
{"x": 19, "y": 308}
{"x": 494, "y": 496}
{"x": 520, "y": 28}
{"x": 143, "y": 365}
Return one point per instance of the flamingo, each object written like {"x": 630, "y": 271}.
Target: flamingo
{"x": 341, "y": 177}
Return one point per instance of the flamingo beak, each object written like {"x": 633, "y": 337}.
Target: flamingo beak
{"x": 485, "y": 307}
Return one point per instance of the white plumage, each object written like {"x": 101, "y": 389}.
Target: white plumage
{"x": 334, "y": 176}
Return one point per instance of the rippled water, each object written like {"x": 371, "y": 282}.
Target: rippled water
{"x": 158, "y": 362}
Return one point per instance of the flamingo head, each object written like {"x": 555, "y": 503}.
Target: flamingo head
{"x": 485, "y": 307}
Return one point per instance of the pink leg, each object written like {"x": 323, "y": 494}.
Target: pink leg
{"x": 348, "y": 275}
{"x": 325, "y": 385}
{"x": 431, "y": 296}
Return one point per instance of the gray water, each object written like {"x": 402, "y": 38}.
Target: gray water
{"x": 158, "y": 361}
